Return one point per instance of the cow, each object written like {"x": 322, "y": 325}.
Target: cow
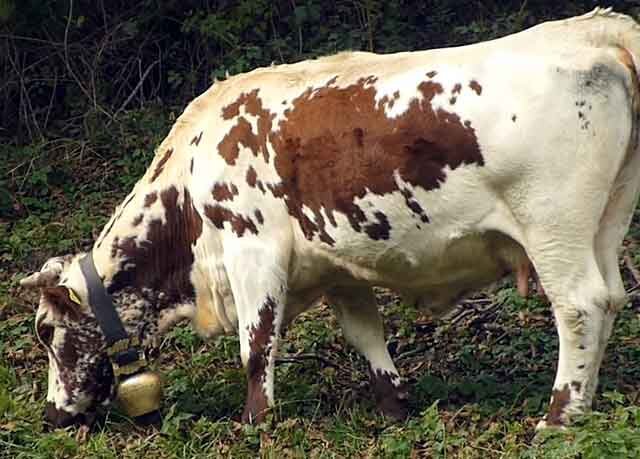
{"x": 432, "y": 173}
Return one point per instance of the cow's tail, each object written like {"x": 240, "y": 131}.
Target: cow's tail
{"x": 623, "y": 195}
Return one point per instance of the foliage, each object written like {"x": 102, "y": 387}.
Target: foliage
{"x": 88, "y": 88}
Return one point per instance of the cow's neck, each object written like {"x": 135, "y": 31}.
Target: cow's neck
{"x": 145, "y": 255}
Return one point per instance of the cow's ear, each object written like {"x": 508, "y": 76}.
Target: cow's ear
{"x": 62, "y": 301}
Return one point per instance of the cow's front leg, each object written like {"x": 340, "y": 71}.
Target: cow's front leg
{"x": 260, "y": 295}
{"x": 359, "y": 318}
{"x": 259, "y": 335}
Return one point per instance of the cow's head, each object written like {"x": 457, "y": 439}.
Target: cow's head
{"x": 80, "y": 375}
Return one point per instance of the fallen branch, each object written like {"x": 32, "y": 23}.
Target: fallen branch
{"x": 298, "y": 358}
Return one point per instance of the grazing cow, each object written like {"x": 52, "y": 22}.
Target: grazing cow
{"x": 432, "y": 173}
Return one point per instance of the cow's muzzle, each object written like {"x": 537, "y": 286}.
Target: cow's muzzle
{"x": 58, "y": 418}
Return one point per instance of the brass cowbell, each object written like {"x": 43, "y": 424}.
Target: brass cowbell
{"x": 139, "y": 394}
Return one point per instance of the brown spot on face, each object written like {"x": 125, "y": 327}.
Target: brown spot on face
{"x": 196, "y": 140}
{"x": 224, "y": 192}
{"x": 432, "y": 73}
{"x": 61, "y": 303}
{"x": 259, "y": 216}
{"x": 138, "y": 220}
{"x": 239, "y": 223}
{"x": 261, "y": 336}
{"x": 144, "y": 262}
{"x": 391, "y": 400}
{"x": 160, "y": 166}
{"x": 475, "y": 86}
{"x": 560, "y": 399}
{"x": 150, "y": 199}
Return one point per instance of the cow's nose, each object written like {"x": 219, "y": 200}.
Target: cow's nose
{"x": 59, "y": 418}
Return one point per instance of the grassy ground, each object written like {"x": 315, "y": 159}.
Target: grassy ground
{"x": 480, "y": 380}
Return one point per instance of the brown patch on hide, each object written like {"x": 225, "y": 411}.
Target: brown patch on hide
{"x": 239, "y": 223}
{"x": 196, "y": 140}
{"x": 242, "y": 133}
{"x": 559, "y": 401}
{"x": 252, "y": 177}
{"x": 625, "y": 57}
{"x": 162, "y": 259}
{"x": 224, "y": 192}
{"x": 457, "y": 89}
{"x": 150, "y": 199}
{"x": 475, "y": 86}
{"x": 324, "y": 166}
{"x": 379, "y": 230}
{"x": 261, "y": 336}
{"x": 259, "y": 216}
{"x": 336, "y": 143}
{"x": 391, "y": 400}
{"x": 160, "y": 166}
{"x": 413, "y": 205}
{"x": 138, "y": 220}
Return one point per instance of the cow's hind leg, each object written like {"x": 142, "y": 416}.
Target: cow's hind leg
{"x": 581, "y": 301}
{"x": 361, "y": 324}
{"x": 260, "y": 296}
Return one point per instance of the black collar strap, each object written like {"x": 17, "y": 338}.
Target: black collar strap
{"x": 124, "y": 352}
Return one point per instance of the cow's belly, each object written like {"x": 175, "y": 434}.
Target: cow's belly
{"x": 431, "y": 278}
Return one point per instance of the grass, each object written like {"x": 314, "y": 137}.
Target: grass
{"x": 479, "y": 381}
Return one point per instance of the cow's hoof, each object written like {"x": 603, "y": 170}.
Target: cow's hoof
{"x": 395, "y": 405}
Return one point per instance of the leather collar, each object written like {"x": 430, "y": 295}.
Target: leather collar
{"x": 124, "y": 352}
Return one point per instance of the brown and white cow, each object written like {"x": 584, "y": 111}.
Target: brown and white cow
{"x": 432, "y": 173}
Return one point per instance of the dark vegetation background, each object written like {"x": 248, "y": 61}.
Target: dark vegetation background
{"x": 88, "y": 88}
